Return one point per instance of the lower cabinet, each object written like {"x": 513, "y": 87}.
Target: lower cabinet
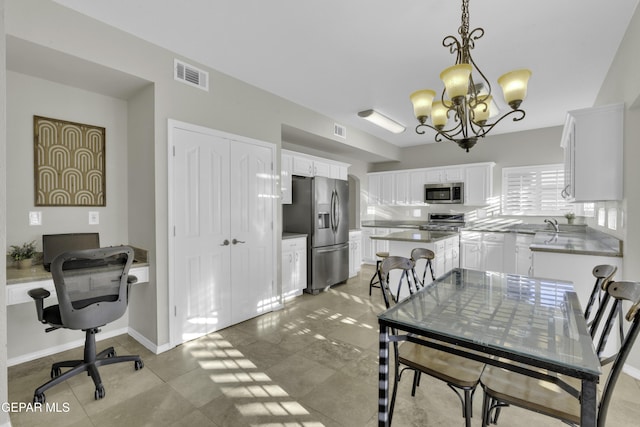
{"x": 370, "y": 246}
{"x": 447, "y": 255}
{"x": 483, "y": 250}
{"x": 294, "y": 266}
{"x": 355, "y": 252}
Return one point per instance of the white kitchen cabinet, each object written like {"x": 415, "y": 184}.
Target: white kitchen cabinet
{"x": 447, "y": 255}
{"x": 493, "y": 251}
{"x": 482, "y": 250}
{"x": 381, "y": 189}
{"x": 592, "y": 140}
{"x": 355, "y": 252}
{"x": 478, "y": 184}
{"x": 302, "y": 166}
{"x": 523, "y": 255}
{"x": 401, "y": 188}
{"x": 294, "y": 266}
{"x": 417, "y": 180}
{"x": 307, "y": 165}
{"x": 447, "y": 174}
{"x": 471, "y": 250}
{"x": 286, "y": 164}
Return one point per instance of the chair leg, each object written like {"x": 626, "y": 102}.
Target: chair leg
{"x": 89, "y": 365}
{"x": 416, "y": 382}
{"x": 486, "y": 410}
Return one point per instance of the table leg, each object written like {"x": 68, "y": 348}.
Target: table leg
{"x": 589, "y": 403}
{"x": 383, "y": 378}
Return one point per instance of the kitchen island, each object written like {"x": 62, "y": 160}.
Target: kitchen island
{"x": 444, "y": 244}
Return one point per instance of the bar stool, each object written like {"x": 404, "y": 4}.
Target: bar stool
{"x": 375, "y": 279}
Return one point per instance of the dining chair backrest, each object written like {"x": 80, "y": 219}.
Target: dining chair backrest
{"x": 621, "y": 291}
{"x": 427, "y": 256}
{"x": 604, "y": 275}
{"x": 405, "y": 266}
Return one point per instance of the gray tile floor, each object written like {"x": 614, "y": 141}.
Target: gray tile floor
{"x": 312, "y": 364}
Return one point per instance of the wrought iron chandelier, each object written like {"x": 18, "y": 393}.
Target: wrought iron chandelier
{"x": 468, "y": 100}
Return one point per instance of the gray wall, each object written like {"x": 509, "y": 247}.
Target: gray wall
{"x": 230, "y": 106}
{"x": 622, "y": 84}
{"x": 28, "y": 96}
{"x": 4, "y": 395}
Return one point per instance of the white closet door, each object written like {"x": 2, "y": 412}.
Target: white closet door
{"x": 252, "y": 259}
{"x": 202, "y": 289}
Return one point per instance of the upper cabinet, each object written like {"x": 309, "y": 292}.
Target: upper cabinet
{"x": 478, "y": 184}
{"x": 406, "y": 187}
{"x": 592, "y": 142}
{"x": 441, "y": 175}
{"x": 293, "y": 163}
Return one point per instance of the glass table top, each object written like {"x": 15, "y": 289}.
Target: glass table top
{"x": 531, "y": 318}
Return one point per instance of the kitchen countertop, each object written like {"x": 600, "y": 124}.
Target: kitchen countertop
{"x": 393, "y": 224}
{"x": 287, "y": 235}
{"x": 590, "y": 242}
{"x": 416, "y": 236}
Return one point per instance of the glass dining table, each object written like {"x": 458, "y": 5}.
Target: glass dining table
{"x": 517, "y": 322}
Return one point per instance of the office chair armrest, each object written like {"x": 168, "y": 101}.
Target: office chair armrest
{"x": 38, "y": 295}
{"x": 131, "y": 279}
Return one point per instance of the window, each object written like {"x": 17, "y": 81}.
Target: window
{"x": 534, "y": 190}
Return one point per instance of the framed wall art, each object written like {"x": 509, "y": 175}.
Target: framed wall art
{"x": 69, "y": 163}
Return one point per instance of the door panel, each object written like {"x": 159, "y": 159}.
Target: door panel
{"x": 323, "y": 190}
{"x": 252, "y": 258}
{"x": 201, "y": 260}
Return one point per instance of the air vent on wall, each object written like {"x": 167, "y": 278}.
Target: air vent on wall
{"x": 190, "y": 75}
{"x": 339, "y": 130}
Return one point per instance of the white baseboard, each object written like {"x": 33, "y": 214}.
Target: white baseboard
{"x": 631, "y": 371}
{"x": 62, "y": 347}
{"x": 154, "y": 348}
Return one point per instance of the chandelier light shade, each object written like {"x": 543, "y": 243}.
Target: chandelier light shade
{"x": 467, "y": 93}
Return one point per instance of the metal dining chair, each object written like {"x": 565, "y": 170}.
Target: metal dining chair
{"x": 502, "y": 387}
{"x": 427, "y": 255}
{"x": 462, "y": 375}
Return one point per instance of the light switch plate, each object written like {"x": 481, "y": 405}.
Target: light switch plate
{"x": 35, "y": 218}
{"x": 94, "y": 218}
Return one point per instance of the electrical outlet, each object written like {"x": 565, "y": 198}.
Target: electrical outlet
{"x": 94, "y": 218}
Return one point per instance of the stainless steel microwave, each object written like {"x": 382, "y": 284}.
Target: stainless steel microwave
{"x": 452, "y": 192}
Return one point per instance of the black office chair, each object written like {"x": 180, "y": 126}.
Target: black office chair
{"x": 502, "y": 387}
{"x": 92, "y": 287}
{"x": 459, "y": 373}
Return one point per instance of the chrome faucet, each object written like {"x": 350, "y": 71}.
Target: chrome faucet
{"x": 554, "y": 223}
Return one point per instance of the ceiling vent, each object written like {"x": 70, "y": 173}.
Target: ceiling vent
{"x": 340, "y": 131}
{"x": 190, "y": 75}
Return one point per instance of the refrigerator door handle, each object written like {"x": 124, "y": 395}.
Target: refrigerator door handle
{"x": 335, "y": 211}
{"x": 332, "y": 248}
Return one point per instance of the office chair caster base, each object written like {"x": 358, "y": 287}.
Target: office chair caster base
{"x": 100, "y": 392}
{"x": 138, "y": 364}
{"x": 39, "y": 398}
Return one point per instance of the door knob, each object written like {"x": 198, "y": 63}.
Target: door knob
{"x": 225, "y": 243}
{"x": 236, "y": 241}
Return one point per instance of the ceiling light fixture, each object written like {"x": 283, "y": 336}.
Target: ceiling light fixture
{"x": 469, "y": 101}
{"x": 382, "y": 121}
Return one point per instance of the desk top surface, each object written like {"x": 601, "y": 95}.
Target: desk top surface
{"x": 37, "y": 273}
{"x": 513, "y": 316}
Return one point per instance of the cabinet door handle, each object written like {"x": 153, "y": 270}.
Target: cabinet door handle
{"x": 225, "y": 242}
{"x": 236, "y": 241}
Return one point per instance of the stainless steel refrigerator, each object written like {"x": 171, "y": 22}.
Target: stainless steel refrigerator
{"x": 320, "y": 209}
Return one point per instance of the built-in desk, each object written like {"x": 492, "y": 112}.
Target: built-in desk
{"x": 20, "y": 281}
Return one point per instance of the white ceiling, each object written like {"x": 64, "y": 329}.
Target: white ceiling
{"x": 339, "y": 57}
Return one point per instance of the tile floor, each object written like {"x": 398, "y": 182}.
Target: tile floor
{"x": 312, "y": 364}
